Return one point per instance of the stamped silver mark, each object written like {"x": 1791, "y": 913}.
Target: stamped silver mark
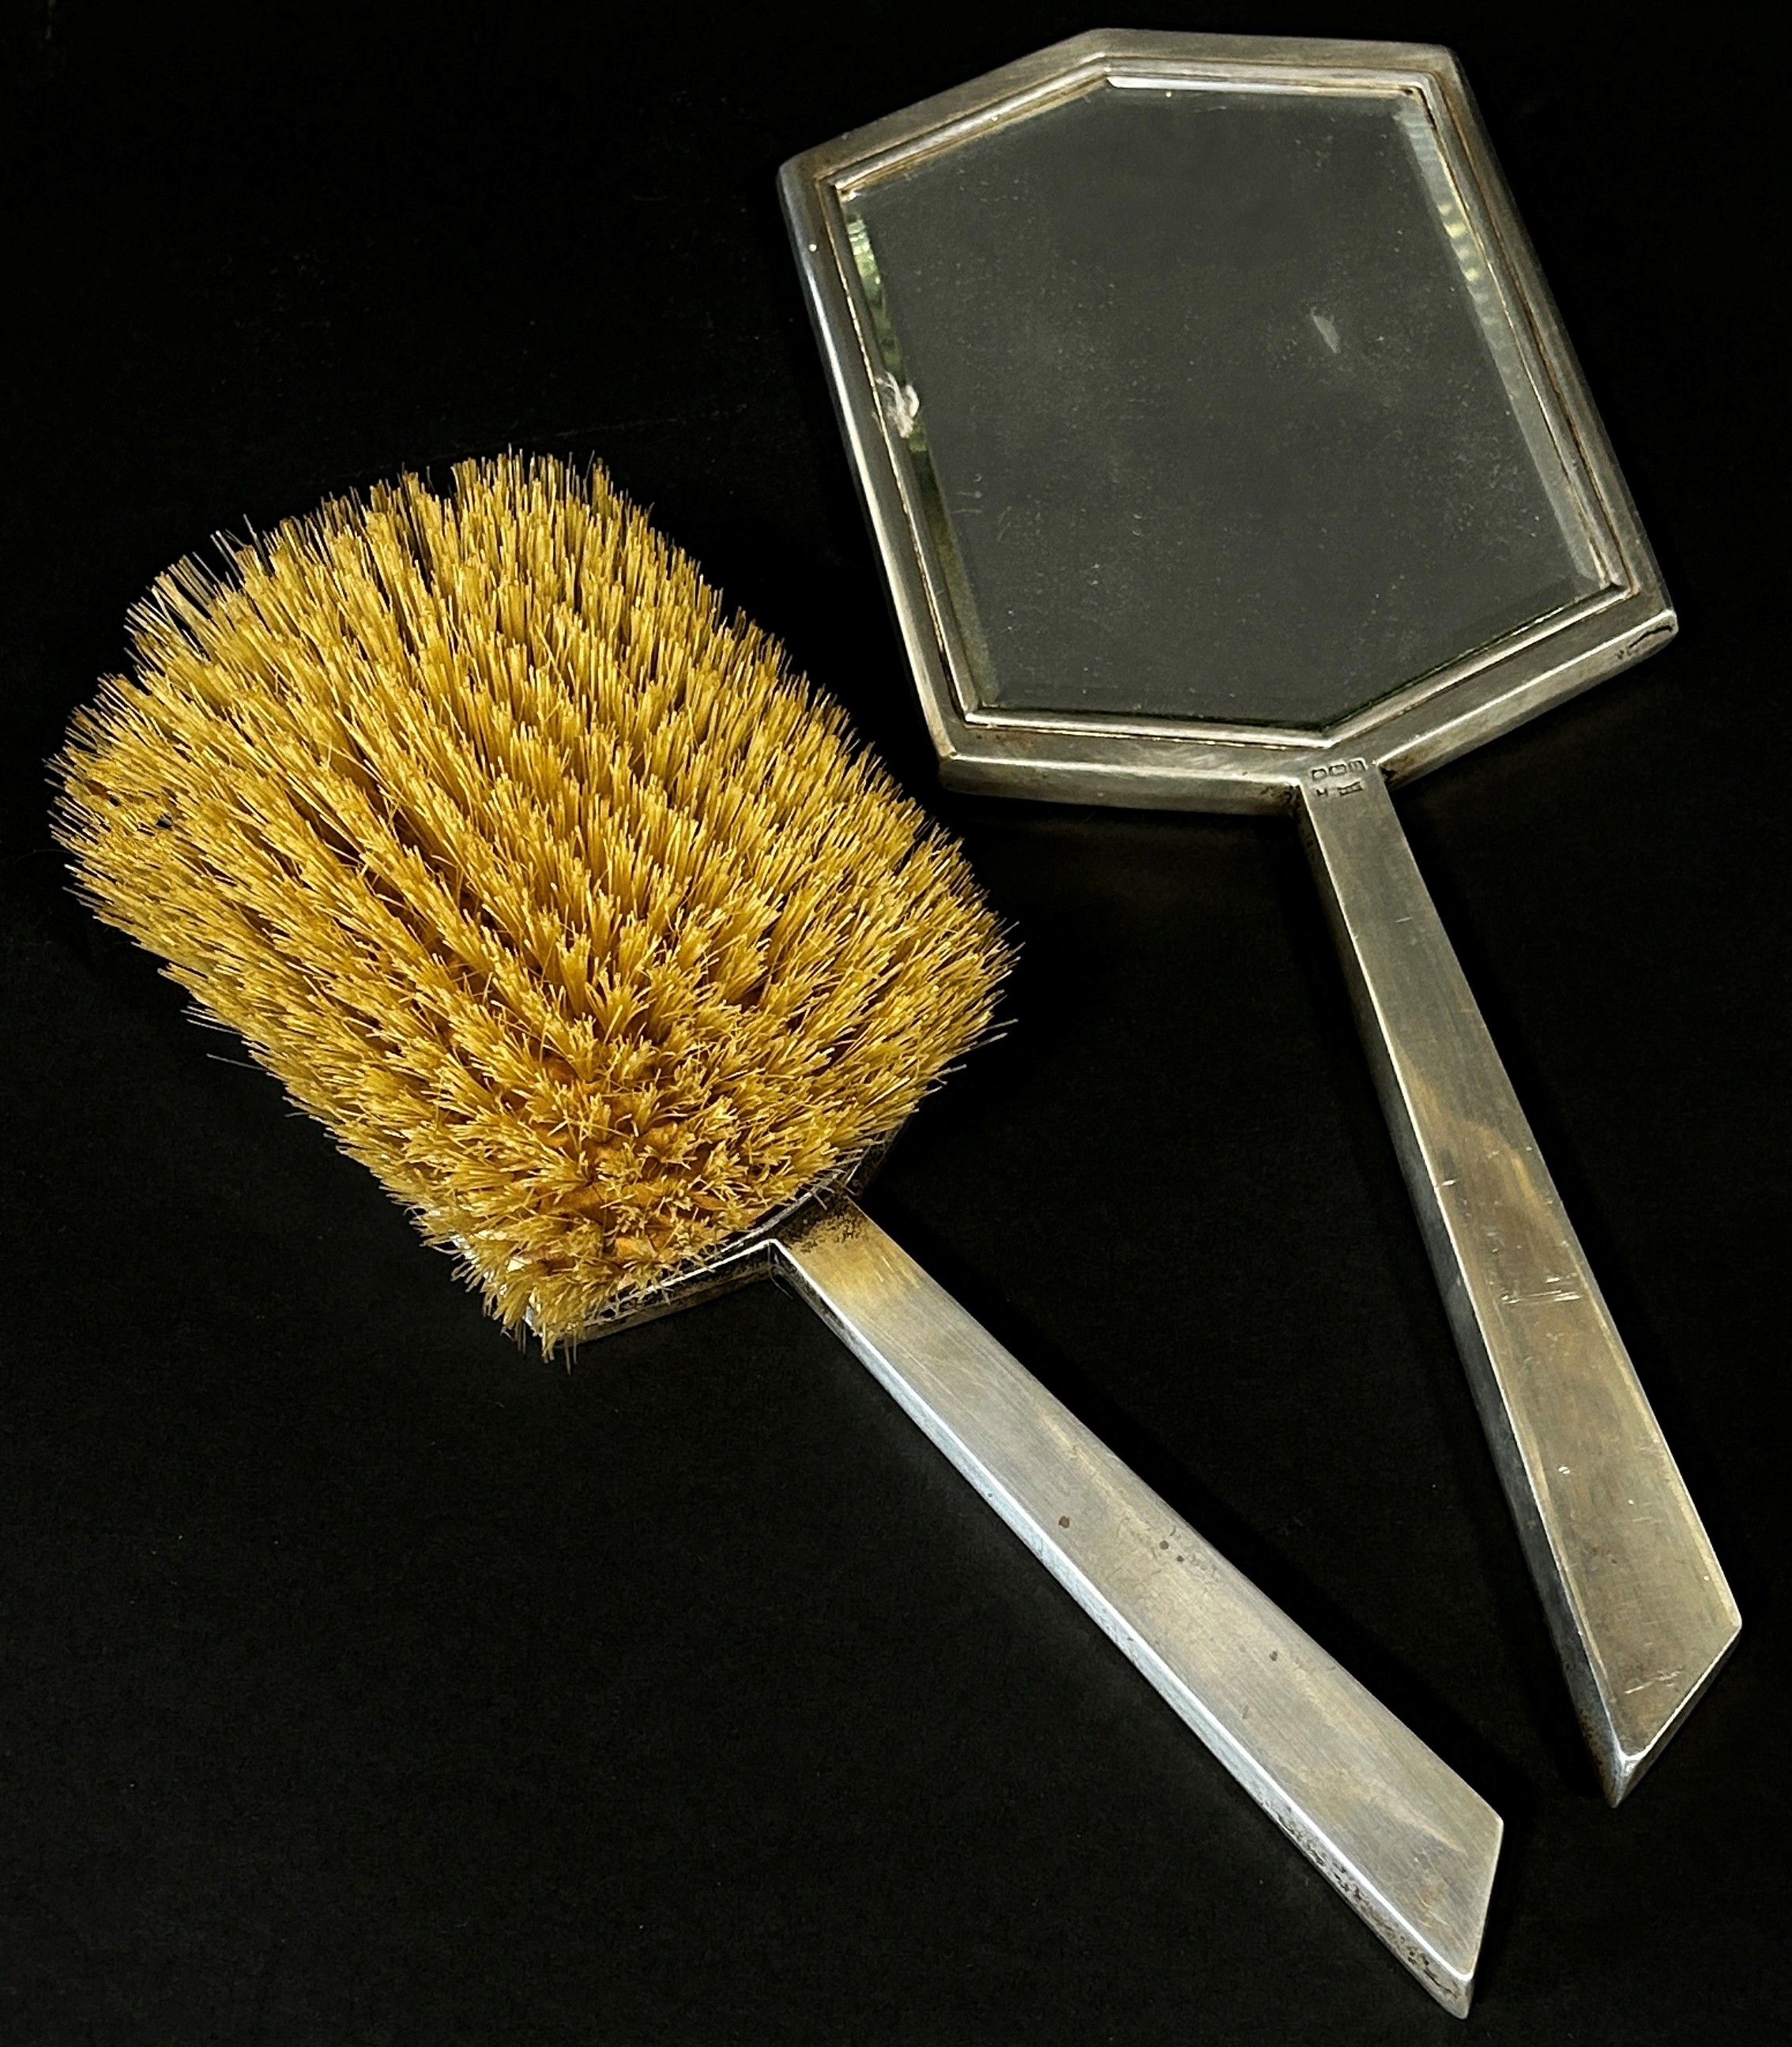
{"x": 1339, "y": 778}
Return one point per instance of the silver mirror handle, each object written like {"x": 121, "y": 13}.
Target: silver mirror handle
{"x": 1635, "y": 1597}
{"x": 1408, "y": 1843}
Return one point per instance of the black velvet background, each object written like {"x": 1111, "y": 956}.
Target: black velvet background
{"x": 367, "y": 1680}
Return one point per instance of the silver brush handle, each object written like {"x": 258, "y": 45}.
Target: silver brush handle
{"x": 1635, "y": 1597}
{"x": 1396, "y": 1831}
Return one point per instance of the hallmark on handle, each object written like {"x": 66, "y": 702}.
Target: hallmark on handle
{"x": 1339, "y": 778}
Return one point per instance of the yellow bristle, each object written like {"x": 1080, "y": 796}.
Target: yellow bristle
{"x": 571, "y": 912}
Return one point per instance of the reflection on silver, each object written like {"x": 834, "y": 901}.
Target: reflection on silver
{"x": 1500, "y": 330}
{"x": 1635, "y": 1597}
{"x": 1408, "y": 1844}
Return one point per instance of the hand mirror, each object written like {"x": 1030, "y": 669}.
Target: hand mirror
{"x": 1223, "y": 451}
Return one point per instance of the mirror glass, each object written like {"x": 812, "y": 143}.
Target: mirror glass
{"x": 1208, "y": 409}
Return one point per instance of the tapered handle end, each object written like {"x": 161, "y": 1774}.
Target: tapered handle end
{"x": 1638, "y": 1717}
{"x": 1439, "y": 1913}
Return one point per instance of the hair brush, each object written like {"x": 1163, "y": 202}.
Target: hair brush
{"x": 581, "y": 920}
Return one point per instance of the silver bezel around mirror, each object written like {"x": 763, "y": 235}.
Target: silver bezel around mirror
{"x": 1190, "y": 765}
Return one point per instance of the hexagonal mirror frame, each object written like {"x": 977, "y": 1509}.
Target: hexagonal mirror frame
{"x": 1170, "y": 762}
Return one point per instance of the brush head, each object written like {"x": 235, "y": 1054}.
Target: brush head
{"x": 571, "y": 911}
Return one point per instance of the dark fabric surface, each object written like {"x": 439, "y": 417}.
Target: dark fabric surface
{"x": 366, "y": 1679}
